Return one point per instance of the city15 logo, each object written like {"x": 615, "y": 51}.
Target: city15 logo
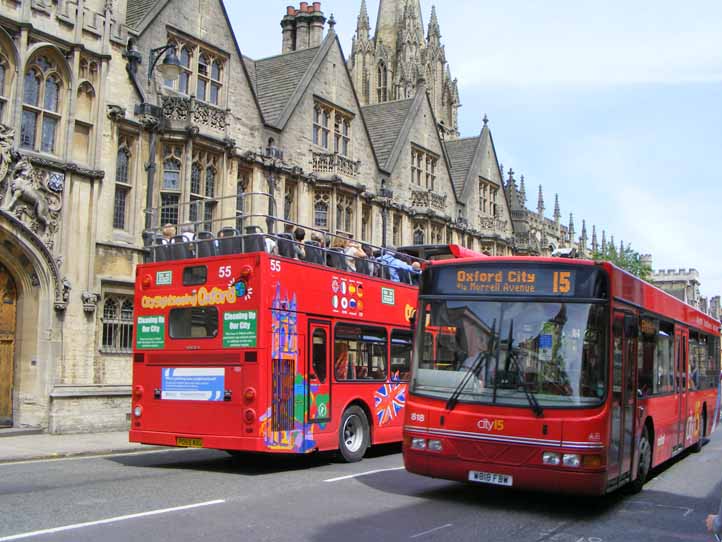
{"x": 490, "y": 425}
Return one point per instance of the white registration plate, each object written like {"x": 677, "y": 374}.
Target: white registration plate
{"x": 491, "y": 478}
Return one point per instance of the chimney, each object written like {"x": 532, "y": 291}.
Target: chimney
{"x": 288, "y": 25}
{"x": 317, "y": 23}
{"x": 303, "y": 27}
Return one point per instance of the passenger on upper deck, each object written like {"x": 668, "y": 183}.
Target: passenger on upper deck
{"x": 396, "y": 266}
{"x": 169, "y": 232}
{"x": 188, "y": 233}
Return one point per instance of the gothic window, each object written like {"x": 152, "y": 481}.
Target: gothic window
{"x": 397, "y": 234}
{"x": 418, "y": 234}
{"x": 366, "y": 224}
{"x": 345, "y": 214}
{"x": 366, "y": 86}
{"x": 320, "y": 210}
{"x": 206, "y": 71}
{"x": 42, "y": 98}
{"x": 203, "y": 189}
{"x": 184, "y": 79}
{"x": 122, "y": 185}
{"x": 289, "y": 202}
{"x": 382, "y": 79}
{"x": 437, "y": 234}
{"x": 323, "y": 116}
{"x": 243, "y": 201}
{"x": 423, "y": 169}
{"x": 84, "y": 111}
{"x": 4, "y": 84}
{"x": 171, "y": 185}
{"x": 487, "y": 198}
{"x": 117, "y": 320}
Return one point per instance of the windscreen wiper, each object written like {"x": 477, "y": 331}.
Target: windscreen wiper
{"x": 510, "y": 355}
{"x": 471, "y": 371}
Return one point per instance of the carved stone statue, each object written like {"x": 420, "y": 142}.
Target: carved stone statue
{"x": 6, "y": 149}
{"x": 22, "y": 190}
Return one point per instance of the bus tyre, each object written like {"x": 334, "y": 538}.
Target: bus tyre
{"x": 697, "y": 446}
{"x": 353, "y": 434}
{"x": 645, "y": 462}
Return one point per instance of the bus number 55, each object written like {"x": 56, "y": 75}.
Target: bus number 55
{"x": 275, "y": 266}
{"x": 562, "y": 282}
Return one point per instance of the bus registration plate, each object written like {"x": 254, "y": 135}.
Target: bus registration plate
{"x": 490, "y": 478}
{"x": 189, "y": 442}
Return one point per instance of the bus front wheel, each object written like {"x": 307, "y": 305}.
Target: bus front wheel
{"x": 353, "y": 434}
{"x": 645, "y": 462}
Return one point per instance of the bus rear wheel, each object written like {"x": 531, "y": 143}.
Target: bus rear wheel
{"x": 697, "y": 446}
{"x": 353, "y": 434}
{"x": 645, "y": 462}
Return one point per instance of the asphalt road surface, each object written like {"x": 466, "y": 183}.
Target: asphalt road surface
{"x": 180, "y": 495}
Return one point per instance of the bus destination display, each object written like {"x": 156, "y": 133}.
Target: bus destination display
{"x": 522, "y": 281}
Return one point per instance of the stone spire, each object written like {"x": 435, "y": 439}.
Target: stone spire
{"x": 540, "y": 203}
{"x": 515, "y": 201}
{"x": 604, "y": 241}
{"x": 595, "y": 244}
{"x": 522, "y": 191}
{"x": 611, "y": 243}
{"x": 621, "y": 247}
{"x": 434, "y": 33}
{"x": 583, "y": 240}
{"x": 571, "y": 229}
{"x": 557, "y": 211}
{"x": 363, "y": 27}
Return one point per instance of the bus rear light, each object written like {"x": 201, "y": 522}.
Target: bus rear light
{"x": 551, "y": 458}
{"x": 249, "y": 415}
{"x": 592, "y": 461}
{"x": 147, "y": 281}
{"x": 572, "y": 460}
{"x": 138, "y": 392}
{"x": 138, "y": 411}
{"x": 249, "y": 395}
{"x": 246, "y": 272}
{"x": 418, "y": 443}
{"x": 435, "y": 446}
{"x": 157, "y": 394}
{"x": 139, "y": 358}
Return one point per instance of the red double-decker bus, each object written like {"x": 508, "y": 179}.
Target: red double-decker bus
{"x": 555, "y": 375}
{"x": 241, "y": 350}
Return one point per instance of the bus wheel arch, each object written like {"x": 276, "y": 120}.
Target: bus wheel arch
{"x": 645, "y": 456}
{"x": 354, "y": 432}
{"x": 697, "y": 446}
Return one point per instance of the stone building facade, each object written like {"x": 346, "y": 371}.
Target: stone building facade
{"x": 89, "y": 141}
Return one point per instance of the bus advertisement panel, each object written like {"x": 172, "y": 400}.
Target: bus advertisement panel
{"x": 555, "y": 375}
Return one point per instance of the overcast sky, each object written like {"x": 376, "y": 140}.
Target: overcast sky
{"x": 616, "y": 106}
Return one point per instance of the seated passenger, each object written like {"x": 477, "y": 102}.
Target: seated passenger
{"x": 298, "y": 251}
{"x": 394, "y": 265}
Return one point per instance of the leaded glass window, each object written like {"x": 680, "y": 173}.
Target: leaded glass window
{"x": 117, "y": 325}
{"x": 42, "y": 99}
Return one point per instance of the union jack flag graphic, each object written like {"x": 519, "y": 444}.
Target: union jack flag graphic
{"x": 389, "y": 400}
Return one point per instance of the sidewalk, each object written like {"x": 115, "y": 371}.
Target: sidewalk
{"x": 45, "y": 446}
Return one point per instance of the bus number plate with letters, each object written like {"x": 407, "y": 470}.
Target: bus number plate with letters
{"x": 490, "y": 478}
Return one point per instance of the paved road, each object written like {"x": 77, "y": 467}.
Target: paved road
{"x": 197, "y": 494}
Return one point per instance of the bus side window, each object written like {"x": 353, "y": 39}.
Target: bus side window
{"x": 319, "y": 355}
{"x": 400, "y": 355}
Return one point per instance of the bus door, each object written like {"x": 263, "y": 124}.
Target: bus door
{"x": 681, "y": 337}
{"x": 318, "y": 391}
{"x": 624, "y": 396}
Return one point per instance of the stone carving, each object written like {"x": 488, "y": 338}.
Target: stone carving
{"x": 31, "y": 195}
{"x": 6, "y": 149}
{"x": 428, "y": 200}
{"x": 323, "y": 162}
{"x": 178, "y": 108}
{"x": 62, "y": 300}
{"x": 116, "y": 112}
{"x": 34, "y": 280}
{"x": 90, "y": 301}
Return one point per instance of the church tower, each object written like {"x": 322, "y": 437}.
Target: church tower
{"x": 389, "y": 66}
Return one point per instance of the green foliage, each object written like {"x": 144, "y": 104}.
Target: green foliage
{"x": 626, "y": 258}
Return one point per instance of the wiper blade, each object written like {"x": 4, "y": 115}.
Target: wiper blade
{"x": 471, "y": 371}
{"x": 510, "y": 355}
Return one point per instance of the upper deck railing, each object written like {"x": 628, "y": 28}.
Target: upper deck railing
{"x": 246, "y": 232}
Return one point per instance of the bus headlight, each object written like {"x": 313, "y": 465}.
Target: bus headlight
{"x": 418, "y": 443}
{"x": 435, "y": 446}
{"x": 551, "y": 458}
{"x": 572, "y": 460}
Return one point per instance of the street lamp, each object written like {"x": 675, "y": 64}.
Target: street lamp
{"x": 150, "y": 114}
{"x": 386, "y": 194}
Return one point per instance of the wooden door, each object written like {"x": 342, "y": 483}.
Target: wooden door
{"x": 8, "y": 304}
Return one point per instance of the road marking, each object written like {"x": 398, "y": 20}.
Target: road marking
{"x": 357, "y": 475}
{"x": 98, "y": 456}
{"x": 109, "y": 520}
{"x": 687, "y": 511}
{"x": 418, "y": 535}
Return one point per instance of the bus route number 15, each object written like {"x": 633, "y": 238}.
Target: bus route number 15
{"x": 562, "y": 282}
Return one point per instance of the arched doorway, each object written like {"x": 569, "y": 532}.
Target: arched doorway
{"x": 8, "y": 306}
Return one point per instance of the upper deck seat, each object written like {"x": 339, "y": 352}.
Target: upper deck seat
{"x": 314, "y": 253}
{"x": 337, "y": 259}
{"x": 229, "y": 241}
{"x": 180, "y": 248}
{"x": 285, "y": 245}
{"x": 254, "y": 240}
{"x": 206, "y": 244}
{"x": 160, "y": 249}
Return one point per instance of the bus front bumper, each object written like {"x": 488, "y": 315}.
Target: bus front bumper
{"x": 525, "y": 477}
